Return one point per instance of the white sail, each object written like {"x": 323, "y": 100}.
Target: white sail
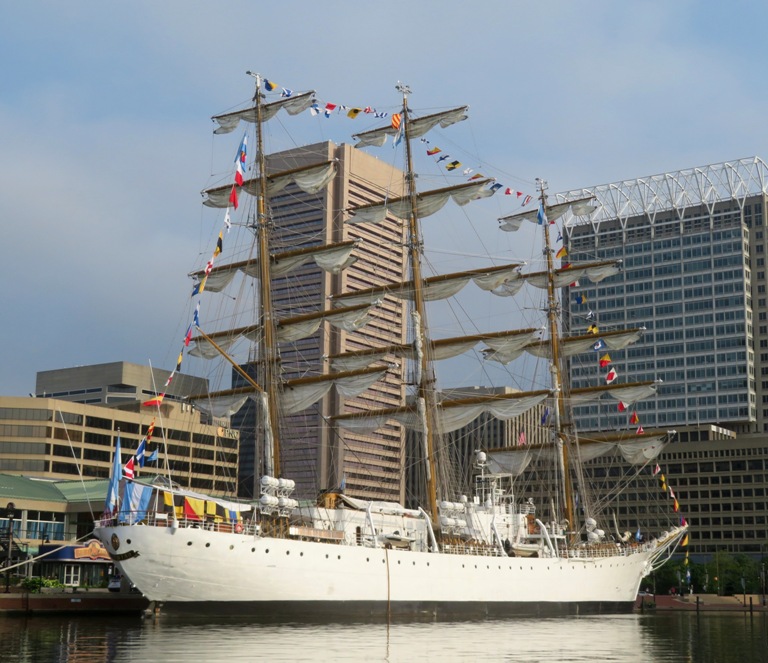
{"x": 636, "y": 451}
{"x": 426, "y": 203}
{"x": 438, "y": 287}
{"x": 293, "y": 105}
{"x": 418, "y": 127}
{"x": 569, "y": 347}
{"x": 309, "y": 179}
{"x": 332, "y": 258}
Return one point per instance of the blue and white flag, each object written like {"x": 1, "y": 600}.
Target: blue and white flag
{"x": 152, "y": 457}
{"x": 599, "y": 345}
{"x": 135, "y": 503}
{"x": 141, "y": 451}
{"x": 638, "y": 536}
{"x": 542, "y": 215}
{"x": 110, "y": 503}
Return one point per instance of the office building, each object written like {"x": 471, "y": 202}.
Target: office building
{"x": 313, "y": 453}
{"x": 114, "y": 384}
{"x": 54, "y": 439}
{"x": 693, "y": 246}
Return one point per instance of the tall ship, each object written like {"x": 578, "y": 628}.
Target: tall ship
{"x": 483, "y": 546}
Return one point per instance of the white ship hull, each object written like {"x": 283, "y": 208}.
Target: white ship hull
{"x": 193, "y": 566}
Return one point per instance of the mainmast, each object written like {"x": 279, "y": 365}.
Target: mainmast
{"x": 425, "y": 393}
{"x": 553, "y": 311}
{"x": 268, "y": 346}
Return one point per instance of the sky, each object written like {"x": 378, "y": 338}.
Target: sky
{"x": 107, "y": 138}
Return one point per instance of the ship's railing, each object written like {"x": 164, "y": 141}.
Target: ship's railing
{"x": 606, "y": 550}
{"x": 469, "y": 549}
{"x": 169, "y": 520}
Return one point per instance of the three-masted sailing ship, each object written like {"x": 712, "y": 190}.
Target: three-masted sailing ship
{"x": 490, "y": 552}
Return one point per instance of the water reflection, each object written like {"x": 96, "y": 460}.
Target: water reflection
{"x": 167, "y": 639}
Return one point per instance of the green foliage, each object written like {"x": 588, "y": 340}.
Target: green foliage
{"x": 34, "y": 585}
{"x": 722, "y": 575}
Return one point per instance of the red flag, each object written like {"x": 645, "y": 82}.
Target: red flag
{"x": 150, "y": 431}
{"x": 233, "y": 196}
{"x": 623, "y": 406}
{"x": 610, "y": 376}
{"x": 521, "y": 439}
{"x": 604, "y": 361}
{"x": 639, "y": 431}
{"x": 634, "y": 419}
{"x": 128, "y": 469}
{"x": 508, "y": 192}
{"x": 396, "y": 120}
{"x": 433, "y": 151}
{"x": 157, "y": 400}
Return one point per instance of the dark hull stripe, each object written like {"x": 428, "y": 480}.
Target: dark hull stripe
{"x": 328, "y": 611}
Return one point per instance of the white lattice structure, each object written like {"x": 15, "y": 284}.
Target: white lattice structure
{"x": 647, "y": 196}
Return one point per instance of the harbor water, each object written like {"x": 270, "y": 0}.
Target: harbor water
{"x": 663, "y": 636}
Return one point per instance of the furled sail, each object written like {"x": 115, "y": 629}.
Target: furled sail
{"x": 416, "y": 127}
{"x": 332, "y": 258}
{"x": 293, "y": 105}
{"x": 635, "y": 450}
{"x": 627, "y": 393}
{"x": 288, "y": 329}
{"x": 427, "y": 203}
{"x": 445, "y": 348}
{"x": 569, "y": 347}
{"x": 438, "y": 287}
{"x": 309, "y": 179}
{"x": 450, "y": 414}
{"x": 594, "y": 271}
{"x": 580, "y": 207}
{"x": 297, "y": 394}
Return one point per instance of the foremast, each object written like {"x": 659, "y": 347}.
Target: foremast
{"x": 268, "y": 348}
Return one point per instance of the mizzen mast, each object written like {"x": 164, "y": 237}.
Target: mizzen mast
{"x": 553, "y": 311}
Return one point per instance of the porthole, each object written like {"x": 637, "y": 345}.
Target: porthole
{"x": 338, "y": 556}
{"x": 301, "y": 554}
{"x": 253, "y": 549}
{"x": 208, "y": 545}
{"x": 267, "y": 550}
{"x": 326, "y": 557}
{"x": 189, "y": 543}
{"x": 231, "y": 547}
{"x": 128, "y": 541}
{"x": 287, "y": 552}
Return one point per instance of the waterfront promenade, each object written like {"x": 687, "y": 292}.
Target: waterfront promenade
{"x": 67, "y": 601}
{"x": 702, "y": 602}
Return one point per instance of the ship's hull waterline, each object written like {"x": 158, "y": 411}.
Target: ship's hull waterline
{"x": 193, "y": 569}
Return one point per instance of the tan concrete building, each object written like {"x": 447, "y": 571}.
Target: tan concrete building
{"x": 54, "y": 439}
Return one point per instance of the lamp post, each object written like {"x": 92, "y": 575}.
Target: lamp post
{"x": 9, "y": 513}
